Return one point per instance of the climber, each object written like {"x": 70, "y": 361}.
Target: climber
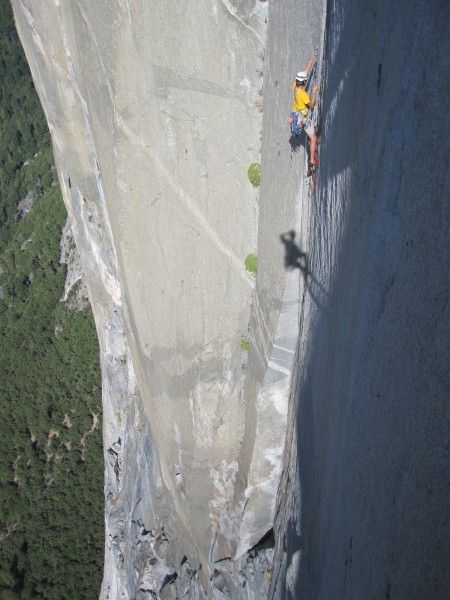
{"x": 301, "y": 119}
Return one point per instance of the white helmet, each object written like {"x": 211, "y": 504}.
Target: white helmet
{"x": 301, "y": 76}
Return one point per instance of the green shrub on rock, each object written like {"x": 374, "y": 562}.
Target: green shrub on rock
{"x": 250, "y": 263}
{"x": 254, "y": 174}
{"x": 245, "y": 346}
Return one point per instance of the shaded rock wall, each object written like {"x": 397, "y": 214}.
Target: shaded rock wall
{"x": 364, "y": 497}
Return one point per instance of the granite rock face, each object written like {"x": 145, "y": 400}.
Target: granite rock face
{"x": 341, "y": 404}
{"x": 155, "y": 115}
{"x": 364, "y": 494}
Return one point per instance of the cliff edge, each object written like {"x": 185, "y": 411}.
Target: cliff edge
{"x": 155, "y": 116}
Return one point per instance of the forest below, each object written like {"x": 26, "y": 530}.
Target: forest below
{"x": 51, "y": 468}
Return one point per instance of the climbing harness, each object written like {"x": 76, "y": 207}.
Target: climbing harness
{"x": 298, "y": 122}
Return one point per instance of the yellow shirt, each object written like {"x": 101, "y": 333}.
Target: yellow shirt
{"x": 301, "y": 100}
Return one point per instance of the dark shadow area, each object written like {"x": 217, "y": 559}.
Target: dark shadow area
{"x": 294, "y": 258}
{"x": 169, "y": 578}
{"x": 295, "y": 141}
{"x": 363, "y": 510}
{"x": 267, "y": 541}
{"x": 371, "y": 442}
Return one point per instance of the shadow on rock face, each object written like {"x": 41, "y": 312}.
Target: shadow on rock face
{"x": 294, "y": 258}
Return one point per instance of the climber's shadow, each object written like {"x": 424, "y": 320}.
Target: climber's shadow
{"x": 295, "y": 142}
{"x": 294, "y": 258}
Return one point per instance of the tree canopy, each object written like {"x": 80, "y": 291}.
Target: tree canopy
{"x": 51, "y": 472}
